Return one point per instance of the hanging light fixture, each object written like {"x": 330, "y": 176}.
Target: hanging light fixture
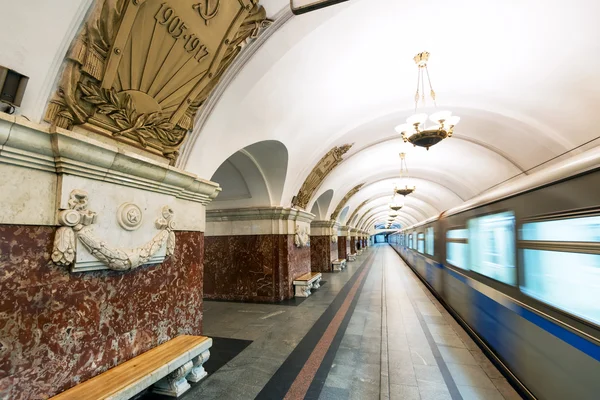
{"x": 414, "y": 130}
{"x": 395, "y": 204}
{"x": 404, "y": 178}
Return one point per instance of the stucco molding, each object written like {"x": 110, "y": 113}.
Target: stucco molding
{"x": 77, "y": 223}
{"x": 60, "y": 151}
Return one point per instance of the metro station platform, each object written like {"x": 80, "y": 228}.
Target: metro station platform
{"x": 373, "y": 331}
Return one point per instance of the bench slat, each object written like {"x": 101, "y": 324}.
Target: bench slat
{"x": 308, "y": 276}
{"x": 128, "y": 373}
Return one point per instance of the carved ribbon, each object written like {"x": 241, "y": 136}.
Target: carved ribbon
{"x": 77, "y": 224}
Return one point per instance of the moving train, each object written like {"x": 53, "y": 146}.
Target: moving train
{"x": 519, "y": 267}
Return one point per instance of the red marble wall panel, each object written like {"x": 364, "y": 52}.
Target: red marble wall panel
{"x": 59, "y": 328}
{"x": 352, "y": 245}
{"x": 342, "y": 247}
{"x": 320, "y": 253}
{"x": 257, "y": 268}
{"x": 298, "y": 263}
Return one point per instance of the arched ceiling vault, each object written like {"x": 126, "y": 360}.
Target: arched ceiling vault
{"x": 407, "y": 211}
{"x": 407, "y": 215}
{"x": 514, "y": 113}
{"x": 333, "y": 77}
{"x": 403, "y": 220}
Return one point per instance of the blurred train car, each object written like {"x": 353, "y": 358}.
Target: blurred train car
{"x": 519, "y": 267}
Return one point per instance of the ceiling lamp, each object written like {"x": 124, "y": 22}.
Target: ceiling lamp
{"x": 404, "y": 178}
{"x": 395, "y": 204}
{"x": 415, "y": 131}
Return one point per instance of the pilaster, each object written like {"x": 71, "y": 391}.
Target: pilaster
{"x": 254, "y": 254}
{"x": 323, "y": 245}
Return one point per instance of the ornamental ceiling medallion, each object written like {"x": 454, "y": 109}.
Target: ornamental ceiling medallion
{"x": 139, "y": 70}
{"x": 318, "y": 174}
{"x": 342, "y": 203}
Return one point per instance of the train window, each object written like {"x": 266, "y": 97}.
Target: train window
{"x": 421, "y": 242}
{"x": 586, "y": 229}
{"x": 410, "y": 241}
{"x": 457, "y": 248}
{"x": 561, "y": 264}
{"x": 492, "y": 246}
{"x": 429, "y": 241}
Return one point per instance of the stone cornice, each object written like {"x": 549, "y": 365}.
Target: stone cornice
{"x": 322, "y": 224}
{"x": 60, "y": 151}
{"x": 259, "y": 213}
{"x": 323, "y": 228}
{"x": 344, "y": 230}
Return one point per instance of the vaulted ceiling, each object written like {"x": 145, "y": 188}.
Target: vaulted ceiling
{"x": 522, "y": 75}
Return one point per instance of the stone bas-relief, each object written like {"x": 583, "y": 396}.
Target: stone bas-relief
{"x": 58, "y": 329}
{"x": 318, "y": 174}
{"x": 347, "y": 197}
{"x": 77, "y": 227}
{"x": 139, "y": 70}
{"x": 301, "y": 237}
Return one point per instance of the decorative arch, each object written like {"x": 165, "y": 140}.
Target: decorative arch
{"x": 253, "y": 176}
{"x": 343, "y": 214}
{"x": 321, "y": 205}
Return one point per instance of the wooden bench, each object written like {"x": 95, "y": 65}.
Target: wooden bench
{"x": 168, "y": 366}
{"x": 338, "y": 265}
{"x": 352, "y": 257}
{"x": 303, "y": 284}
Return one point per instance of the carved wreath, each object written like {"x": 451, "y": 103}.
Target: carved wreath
{"x": 121, "y": 110}
{"x": 77, "y": 224}
{"x": 334, "y": 238}
{"x": 301, "y": 237}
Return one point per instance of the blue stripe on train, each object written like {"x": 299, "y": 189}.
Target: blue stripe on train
{"x": 489, "y": 321}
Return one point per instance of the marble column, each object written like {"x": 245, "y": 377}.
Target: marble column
{"x": 353, "y": 238}
{"x": 323, "y": 245}
{"x": 343, "y": 242}
{"x": 254, "y": 254}
{"x": 67, "y": 315}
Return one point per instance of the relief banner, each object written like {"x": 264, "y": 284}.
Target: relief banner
{"x": 140, "y": 69}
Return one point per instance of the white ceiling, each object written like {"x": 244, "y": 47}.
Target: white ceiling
{"x": 523, "y": 76}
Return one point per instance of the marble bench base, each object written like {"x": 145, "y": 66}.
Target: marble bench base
{"x": 176, "y": 383}
{"x": 302, "y": 288}
{"x": 352, "y": 257}
{"x": 339, "y": 265}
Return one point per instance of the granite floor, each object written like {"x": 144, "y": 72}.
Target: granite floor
{"x": 372, "y": 332}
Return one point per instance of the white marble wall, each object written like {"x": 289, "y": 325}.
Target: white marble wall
{"x": 40, "y": 167}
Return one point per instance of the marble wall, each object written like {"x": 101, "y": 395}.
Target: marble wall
{"x": 59, "y": 328}
{"x": 320, "y": 253}
{"x": 342, "y": 247}
{"x": 257, "y": 268}
{"x": 352, "y": 245}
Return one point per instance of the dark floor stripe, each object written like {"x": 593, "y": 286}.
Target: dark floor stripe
{"x": 450, "y": 384}
{"x": 321, "y": 376}
{"x": 284, "y": 377}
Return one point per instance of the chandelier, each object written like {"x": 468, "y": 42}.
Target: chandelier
{"x": 404, "y": 178}
{"x": 395, "y": 204}
{"x": 414, "y": 130}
